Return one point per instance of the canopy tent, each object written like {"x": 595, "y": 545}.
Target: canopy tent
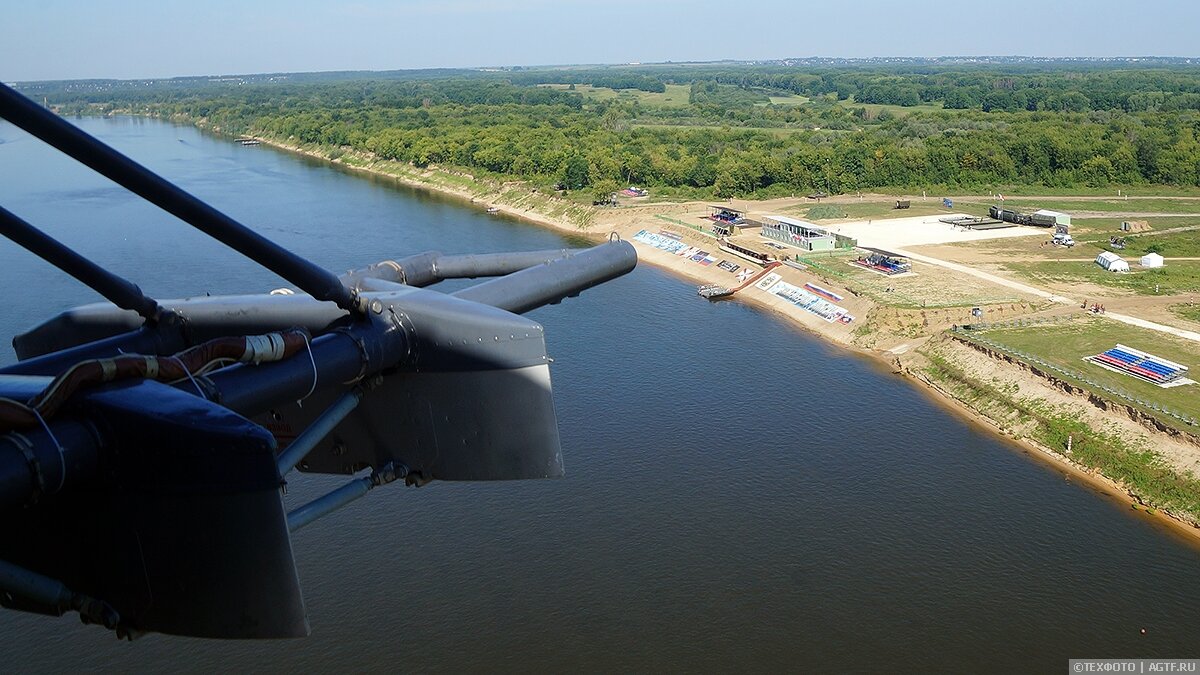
{"x": 1112, "y": 262}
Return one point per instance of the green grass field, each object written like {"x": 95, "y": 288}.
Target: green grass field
{"x": 1112, "y": 225}
{"x": 897, "y": 110}
{"x": 1065, "y": 345}
{"x": 945, "y": 289}
{"x": 789, "y": 99}
{"x": 1177, "y": 277}
{"x": 773, "y": 131}
{"x": 1100, "y": 193}
{"x": 1188, "y": 311}
{"x": 1169, "y": 245}
{"x": 1156, "y": 205}
{"x": 881, "y": 210}
{"x": 676, "y": 95}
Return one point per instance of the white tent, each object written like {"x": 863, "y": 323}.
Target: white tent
{"x": 1152, "y": 260}
{"x": 1112, "y": 262}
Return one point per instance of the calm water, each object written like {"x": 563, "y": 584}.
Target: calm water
{"x": 739, "y": 495}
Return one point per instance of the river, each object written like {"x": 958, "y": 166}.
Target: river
{"x": 739, "y": 495}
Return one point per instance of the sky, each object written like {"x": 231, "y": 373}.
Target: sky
{"x": 58, "y": 39}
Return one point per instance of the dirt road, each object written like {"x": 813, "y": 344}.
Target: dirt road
{"x": 1025, "y": 288}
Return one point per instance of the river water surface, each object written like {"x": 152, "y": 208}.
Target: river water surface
{"x": 739, "y": 495}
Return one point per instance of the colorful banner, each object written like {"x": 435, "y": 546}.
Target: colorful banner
{"x": 768, "y": 281}
{"x": 824, "y": 292}
{"x": 664, "y": 242}
{"x": 806, "y": 301}
{"x": 658, "y": 241}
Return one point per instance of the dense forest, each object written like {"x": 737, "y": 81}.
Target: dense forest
{"x": 723, "y": 129}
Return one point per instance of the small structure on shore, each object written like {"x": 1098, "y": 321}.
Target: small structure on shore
{"x": 803, "y": 234}
{"x": 713, "y": 291}
{"x": 1135, "y": 226}
{"x": 746, "y": 250}
{"x": 725, "y": 219}
{"x": 885, "y": 264}
{"x": 1112, "y": 262}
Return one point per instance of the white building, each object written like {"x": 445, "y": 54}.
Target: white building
{"x": 1112, "y": 262}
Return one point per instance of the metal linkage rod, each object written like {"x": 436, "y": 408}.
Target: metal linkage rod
{"x": 319, "y": 429}
{"x": 45, "y": 125}
{"x": 121, "y": 292}
{"x": 328, "y": 503}
{"x": 324, "y": 505}
{"x": 52, "y": 595}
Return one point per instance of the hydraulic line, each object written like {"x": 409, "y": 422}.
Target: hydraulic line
{"x": 250, "y": 349}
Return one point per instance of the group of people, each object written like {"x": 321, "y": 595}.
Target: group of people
{"x": 1096, "y": 308}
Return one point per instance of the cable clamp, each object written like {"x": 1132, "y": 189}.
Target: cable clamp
{"x": 35, "y": 467}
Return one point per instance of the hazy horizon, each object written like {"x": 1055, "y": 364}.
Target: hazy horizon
{"x": 152, "y": 40}
{"x": 536, "y": 66}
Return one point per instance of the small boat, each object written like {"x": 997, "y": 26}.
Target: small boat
{"x": 713, "y": 291}
{"x": 493, "y": 209}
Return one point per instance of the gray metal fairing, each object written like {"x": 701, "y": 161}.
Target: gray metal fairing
{"x": 472, "y": 401}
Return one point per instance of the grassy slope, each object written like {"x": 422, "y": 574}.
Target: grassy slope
{"x": 1066, "y": 345}
{"x": 1138, "y": 468}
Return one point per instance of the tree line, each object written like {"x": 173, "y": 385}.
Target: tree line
{"x": 729, "y": 140}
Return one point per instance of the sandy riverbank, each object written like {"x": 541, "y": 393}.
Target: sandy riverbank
{"x": 626, "y": 223}
{"x": 597, "y": 224}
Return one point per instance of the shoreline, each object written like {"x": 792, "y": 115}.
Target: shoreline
{"x": 789, "y": 313}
